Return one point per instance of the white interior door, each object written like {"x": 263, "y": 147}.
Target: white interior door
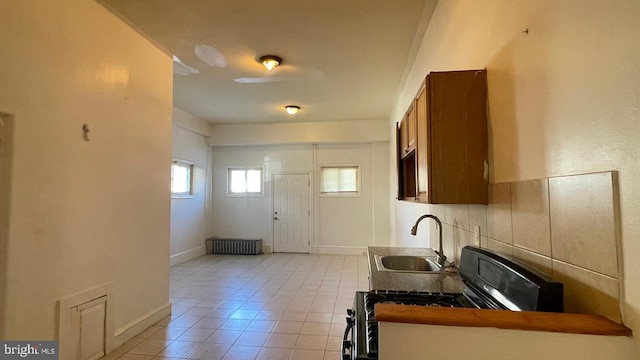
{"x": 291, "y": 215}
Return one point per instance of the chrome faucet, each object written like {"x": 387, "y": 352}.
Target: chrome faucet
{"x": 414, "y": 230}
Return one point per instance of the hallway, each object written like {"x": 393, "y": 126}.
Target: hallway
{"x": 274, "y": 306}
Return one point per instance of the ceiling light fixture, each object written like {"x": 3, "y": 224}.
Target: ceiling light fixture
{"x": 270, "y": 61}
{"x": 292, "y": 109}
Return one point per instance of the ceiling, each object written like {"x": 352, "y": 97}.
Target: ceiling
{"x": 342, "y": 59}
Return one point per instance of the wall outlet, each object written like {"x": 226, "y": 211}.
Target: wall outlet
{"x": 476, "y": 235}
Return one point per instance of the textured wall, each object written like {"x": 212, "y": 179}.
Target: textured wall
{"x": 84, "y": 213}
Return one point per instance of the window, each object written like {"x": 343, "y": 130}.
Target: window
{"x": 181, "y": 179}
{"x": 244, "y": 181}
{"x": 339, "y": 179}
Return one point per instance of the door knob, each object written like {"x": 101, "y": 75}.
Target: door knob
{"x": 275, "y": 218}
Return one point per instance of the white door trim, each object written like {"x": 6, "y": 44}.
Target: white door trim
{"x": 311, "y": 206}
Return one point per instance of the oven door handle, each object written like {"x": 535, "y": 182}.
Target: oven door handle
{"x": 346, "y": 344}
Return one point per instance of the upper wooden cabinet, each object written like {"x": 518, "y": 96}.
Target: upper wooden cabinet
{"x": 451, "y": 140}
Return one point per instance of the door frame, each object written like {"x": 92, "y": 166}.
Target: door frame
{"x": 311, "y": 207}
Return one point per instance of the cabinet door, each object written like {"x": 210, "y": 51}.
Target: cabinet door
{"x": 404, "y": 137}
{"x": 411, "y": 127}
{"x": 422, "y": 135}
{"x": 399, "y": 161}
{"x": 408, "y": 132}
{"x": 458, "y": 138}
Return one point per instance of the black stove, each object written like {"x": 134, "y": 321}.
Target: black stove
{"x": 400, "y": 298}
{"x": 491, "y": 282}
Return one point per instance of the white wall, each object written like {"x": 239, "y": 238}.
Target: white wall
{"x": 323, "y": 132}
{"x": 350, "y": 222}
{"x": 381, "y": 207}
{"x": 563, "y": 98}
{"x": 189, "y": 215}
{"x": 84, "y": 213}
{"x": 407, "y": 341}
{"x": 341, "y": 225}
{"x": 250, "y": 217}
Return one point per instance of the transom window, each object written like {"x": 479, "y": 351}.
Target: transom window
{"x": 181, "y": 178}
{"x": 245, "y": 181}
{"x": 339, "y": 179}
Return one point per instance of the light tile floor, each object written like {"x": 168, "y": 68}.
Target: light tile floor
{"x": 235, "y": 307}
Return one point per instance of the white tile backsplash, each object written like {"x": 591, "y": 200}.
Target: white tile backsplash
{"x": 563, "y": 226}
{"x": 530, "y": 214}
{"x": 583, "y": 223}
{"x": 499, "y": 223}
{"x": 586, "y": 291}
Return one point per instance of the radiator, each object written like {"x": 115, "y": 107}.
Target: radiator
{"x": 234, "y": 246}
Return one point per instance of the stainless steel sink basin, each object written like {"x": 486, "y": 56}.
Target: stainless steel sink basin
{"x": 407, "y": 263}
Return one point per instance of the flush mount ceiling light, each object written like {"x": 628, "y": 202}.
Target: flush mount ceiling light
{"x": 270, "y": 61}
{"x": 292, "y": 109}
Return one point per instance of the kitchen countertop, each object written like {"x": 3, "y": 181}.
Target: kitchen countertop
{"x": 407, "y": 281}
{"x": 410, "y": 332}
{"x": 501, "y": 319}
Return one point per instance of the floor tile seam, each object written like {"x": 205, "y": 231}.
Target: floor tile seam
{"x": 156, "y": 354}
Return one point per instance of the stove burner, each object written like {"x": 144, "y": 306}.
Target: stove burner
{"x": 410, "y": 298}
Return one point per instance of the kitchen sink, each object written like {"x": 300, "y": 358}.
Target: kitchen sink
{"x": 407, "y": 263}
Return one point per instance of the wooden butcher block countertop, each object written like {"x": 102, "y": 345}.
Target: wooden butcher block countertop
{"x": 501, "y": 319}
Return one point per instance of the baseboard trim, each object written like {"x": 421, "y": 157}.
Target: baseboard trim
{"x": 266, "y": 249}
{"x": 339, "y": 250}
{"x": 187, "y": 255}
{"x": 140, "y": 324}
